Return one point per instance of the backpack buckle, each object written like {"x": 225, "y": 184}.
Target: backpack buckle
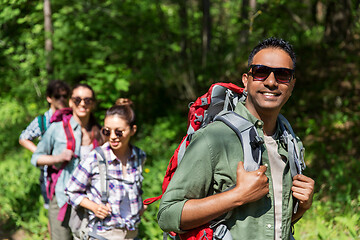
{"x": 199, "y": 118}
{"x": 257, "y": 142}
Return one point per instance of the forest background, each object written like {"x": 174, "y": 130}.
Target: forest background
{"x": 162, "y": 54}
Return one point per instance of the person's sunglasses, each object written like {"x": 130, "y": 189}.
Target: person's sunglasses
{"x": 77, "y": 100}
{"x": 106, "y": 132}
{"x": 261, "y": 73}
{"x": 59, "y": 96}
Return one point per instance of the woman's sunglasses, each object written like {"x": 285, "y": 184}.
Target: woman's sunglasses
{"x": 261, "y": 73}
{"x": 106, "y": 132}
{"x": 77, "y": 100}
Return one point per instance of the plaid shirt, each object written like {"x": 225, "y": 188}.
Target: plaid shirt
{"x": 33, "y": 130}
{"x": 85, "y": 182}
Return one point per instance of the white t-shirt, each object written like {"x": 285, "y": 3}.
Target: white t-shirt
{"x": 277, "y": 170}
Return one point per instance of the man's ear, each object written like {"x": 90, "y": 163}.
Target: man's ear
{"x": 49, "y": 100}
{"x": 293, "y": 81}
{"x": 245, "y": 78}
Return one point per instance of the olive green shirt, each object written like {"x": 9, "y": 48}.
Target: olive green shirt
{"x": 209, "y": 167}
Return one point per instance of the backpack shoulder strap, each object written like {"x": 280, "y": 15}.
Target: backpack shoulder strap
{"x": 42, "y": 123}
{"x": 295, "y": 153}
{"x": 70, "y": 139}
{"x": 103, "y": 165}
{"x": 250, "y": 140}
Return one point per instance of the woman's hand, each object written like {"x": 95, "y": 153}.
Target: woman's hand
{"x": 102, "y": 211}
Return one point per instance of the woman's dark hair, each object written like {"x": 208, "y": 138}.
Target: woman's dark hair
{"x": 273, "y": 42}
{"x": 84, "y": 85}
{"x": 123, "y": 108}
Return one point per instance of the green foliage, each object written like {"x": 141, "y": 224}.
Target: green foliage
{"x": 159, "y": 143}
{"x": 330, "y": 220}
{"x": 11, "y": 123}
{"x": 20, "y": 196}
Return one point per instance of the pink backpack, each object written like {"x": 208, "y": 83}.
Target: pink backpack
{"x": 54, "y": 173}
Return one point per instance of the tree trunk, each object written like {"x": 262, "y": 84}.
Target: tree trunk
{"x": 189, "y": 77}
{"x": 247, "y": 15}
{"x": 252, "y": 14}
{"x": 206, "y": 31}
{"x": 48, "y": 35}
{"x": 338, "y": 21}
{"x": 244, "y": 33}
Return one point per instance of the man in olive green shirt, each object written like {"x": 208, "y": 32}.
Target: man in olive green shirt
{"x": 261, "y": 203}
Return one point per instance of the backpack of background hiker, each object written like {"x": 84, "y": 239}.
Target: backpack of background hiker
{"x": 43, "y": 169}
{"x": 42, "y": 123}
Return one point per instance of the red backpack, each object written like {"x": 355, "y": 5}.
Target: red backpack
{"x": 218, "y": 105}
{"x": 215, "y": 105}
{"x": 201, "y": 113}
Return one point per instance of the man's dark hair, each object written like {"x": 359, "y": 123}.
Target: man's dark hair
{"x": 55, "y": 86}
{"x": 273, "y": 42}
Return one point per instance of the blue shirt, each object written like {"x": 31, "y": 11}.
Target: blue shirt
{"x": 53, "y": 142}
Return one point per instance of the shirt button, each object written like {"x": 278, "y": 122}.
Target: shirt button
{"x": 268, "y": 195}
{"x": 269, "y": 226}
{"x": 266, "y": 165}
{"x": 259, "y": 124}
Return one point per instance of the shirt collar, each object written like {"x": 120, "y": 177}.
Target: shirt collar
{"x": 50, "y": 111}
{"x": 243, "y": 111}
{"x": 74, "y": 124}
{"x": 113, "y": 156}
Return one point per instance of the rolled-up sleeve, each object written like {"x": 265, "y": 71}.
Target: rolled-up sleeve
{"x": 77, "y": 185}
{"x": 31, "y": 132}
{"x": 192, "y": 180}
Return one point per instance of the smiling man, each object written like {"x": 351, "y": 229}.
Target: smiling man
{"x": 265, "y": 203}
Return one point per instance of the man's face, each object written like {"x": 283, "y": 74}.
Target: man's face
{"x": 267, "y": 97}
{"x": 59, "y": 100}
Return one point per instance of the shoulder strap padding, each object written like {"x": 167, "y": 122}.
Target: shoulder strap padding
{"x": 250, "y": 140}
{"x": 296, "y": 155}
{"x": 103, "y": 165}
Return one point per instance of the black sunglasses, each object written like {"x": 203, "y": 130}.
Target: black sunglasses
{"x": 106, "y": 132}
{"x": 77, "y": 100}
{"x": 261, "y": 73}
{"x": 58, "y": 96}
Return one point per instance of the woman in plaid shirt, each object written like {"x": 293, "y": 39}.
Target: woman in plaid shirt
{"x": 121, "y": 215}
